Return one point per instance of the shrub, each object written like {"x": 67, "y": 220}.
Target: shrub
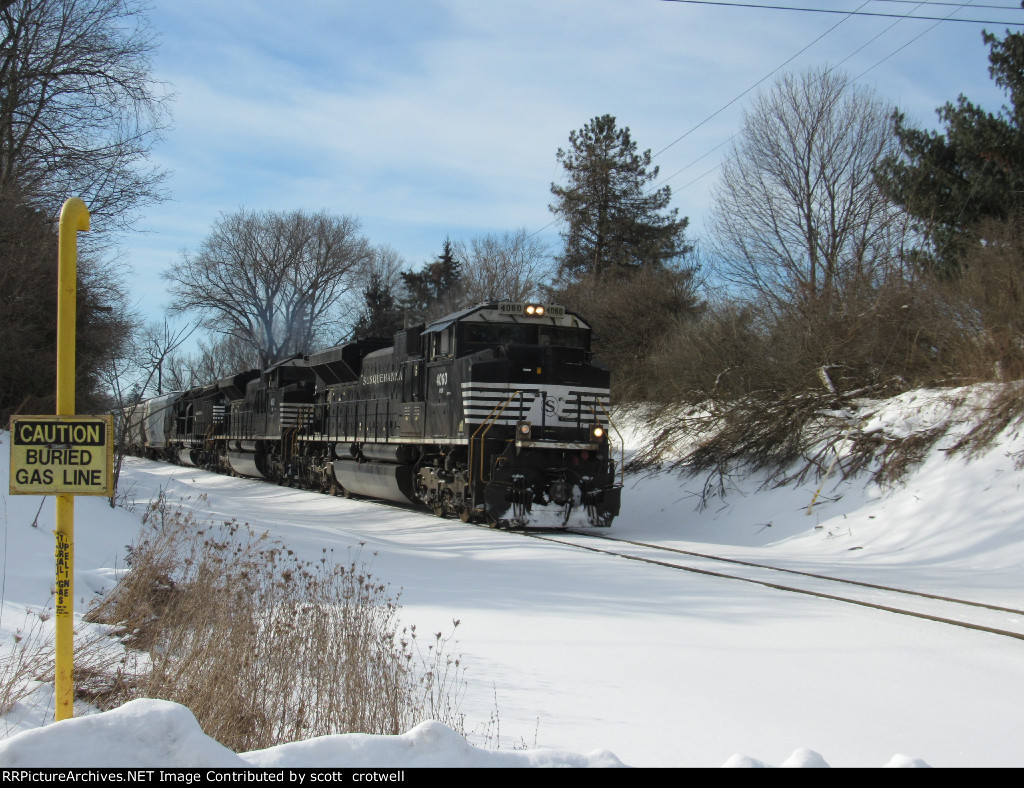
{"x": 27, "y": 658}
{"x": 265, "y": 648}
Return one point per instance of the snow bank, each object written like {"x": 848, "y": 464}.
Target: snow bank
{"x": 160, "y": 734}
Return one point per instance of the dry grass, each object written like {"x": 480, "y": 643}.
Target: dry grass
{"x": 29, "y": 657}
{"x": 265, "y": 648}
{"x": 799, "y": 437}
{"x": 1004, "y": 412}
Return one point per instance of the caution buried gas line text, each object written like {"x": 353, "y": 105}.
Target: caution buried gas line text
{"x": 61, "y": 455}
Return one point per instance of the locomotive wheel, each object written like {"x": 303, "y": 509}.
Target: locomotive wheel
{"x": 438, "y": 509}
{"x": 345, "y": 493}
{"x": 466, "y": 514}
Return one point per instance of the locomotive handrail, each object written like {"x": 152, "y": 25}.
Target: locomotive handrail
{"x": 622, "y": 442}
{"x": 489, "y": 421}
{"x": 288, "y": 435}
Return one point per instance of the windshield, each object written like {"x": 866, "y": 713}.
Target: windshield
{"x": 499, "y": 334}
{"x": 478, "y": 335}
{"x": 563, "y": 337}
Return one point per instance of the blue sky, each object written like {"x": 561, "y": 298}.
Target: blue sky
{"x": 428, "y": 119}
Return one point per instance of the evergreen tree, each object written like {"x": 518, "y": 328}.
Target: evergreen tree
{"x": 435, "y": 289}
{"x": 381, "y": 315}
{"x": 613, "y": 223}
{"x": 28, "y": 305}
{"x": 951, "y": 181}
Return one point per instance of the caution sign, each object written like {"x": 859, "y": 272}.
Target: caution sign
{"x": 53, "y": 455}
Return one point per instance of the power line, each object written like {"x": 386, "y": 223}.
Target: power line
{"x": 725, "y": 107}
{"x": 847, "y": 15}
{"x": 894, "y": 52}
{"x": 916, "y": 3}
{"x": 867, "y": 43}
{"x": 858, "y": 12}
{"x": 756, "y": 84}
{"x": 955, "y": 5}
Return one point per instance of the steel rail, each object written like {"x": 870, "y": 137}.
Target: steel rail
{"x": 780, "y": 586}
{"x": 847, "y": 581}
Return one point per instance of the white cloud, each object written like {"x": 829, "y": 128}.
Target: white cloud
{"x": 447, "y": 114}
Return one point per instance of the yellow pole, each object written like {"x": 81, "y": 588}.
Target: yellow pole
{"x": 74, "y": 217}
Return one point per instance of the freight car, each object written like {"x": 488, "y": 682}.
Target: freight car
{"x": 497, "y": 413}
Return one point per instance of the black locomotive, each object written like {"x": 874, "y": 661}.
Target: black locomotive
{"x": 497, "y": 413}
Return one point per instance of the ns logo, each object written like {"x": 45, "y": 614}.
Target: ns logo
{"x": 552, "y": 405}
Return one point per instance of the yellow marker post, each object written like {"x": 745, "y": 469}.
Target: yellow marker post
{"x": 74, "y": 218}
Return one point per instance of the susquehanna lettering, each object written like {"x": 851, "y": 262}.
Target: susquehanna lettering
{"x": 380, "y": 377}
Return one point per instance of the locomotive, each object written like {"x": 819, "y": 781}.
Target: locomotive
{"x": 498, "y": 413}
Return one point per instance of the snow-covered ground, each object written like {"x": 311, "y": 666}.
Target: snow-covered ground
{"x": 592, "y": 660}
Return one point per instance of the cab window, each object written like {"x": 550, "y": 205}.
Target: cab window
{"x": 476, "y": 336}
{"x": 441, "y": 343}
{"x": 562, "y": 337}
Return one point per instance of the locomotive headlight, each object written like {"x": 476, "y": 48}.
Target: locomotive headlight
{"x": 597, "y": 431}
{"x": 534, "y": 311}
{"x": 523, "y": 430}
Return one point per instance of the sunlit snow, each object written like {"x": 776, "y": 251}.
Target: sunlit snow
{"x": 588, "y": 660}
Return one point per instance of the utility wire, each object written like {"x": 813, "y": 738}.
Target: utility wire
{"x": 756, "y": 84}
{"x": 955, "y": 5}
{"x": 858, "y": 12}
{"x": 718, "y": 112}
{"x": 898, "y": 17}
{"x": 918, "y": 3}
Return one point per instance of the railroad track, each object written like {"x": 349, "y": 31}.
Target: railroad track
{"x": 994, "y": 619}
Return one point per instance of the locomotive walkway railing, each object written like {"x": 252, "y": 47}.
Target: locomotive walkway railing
{"x": 487, "y": 423}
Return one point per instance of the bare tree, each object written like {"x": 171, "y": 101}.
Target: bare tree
{"x": 156, "y": 348}
{"x": 385, "y": 264}
{"x": 79, "y": 110}
{"x": 798, "y": 218}
{"x": 213, "y": 361}
{"x": 127, "y": 372}
{"x": 274, "y": 281}
{"x": 507, "y": 267}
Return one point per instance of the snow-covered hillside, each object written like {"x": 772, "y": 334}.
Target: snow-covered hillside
{"x": 580, "y": 653}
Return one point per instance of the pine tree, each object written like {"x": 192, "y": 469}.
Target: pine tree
{"x": 614, "y": 224}
{"x": 381, "y": 315}
{"x": 951, "y": 181}
{"x": 435, "y": 289}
